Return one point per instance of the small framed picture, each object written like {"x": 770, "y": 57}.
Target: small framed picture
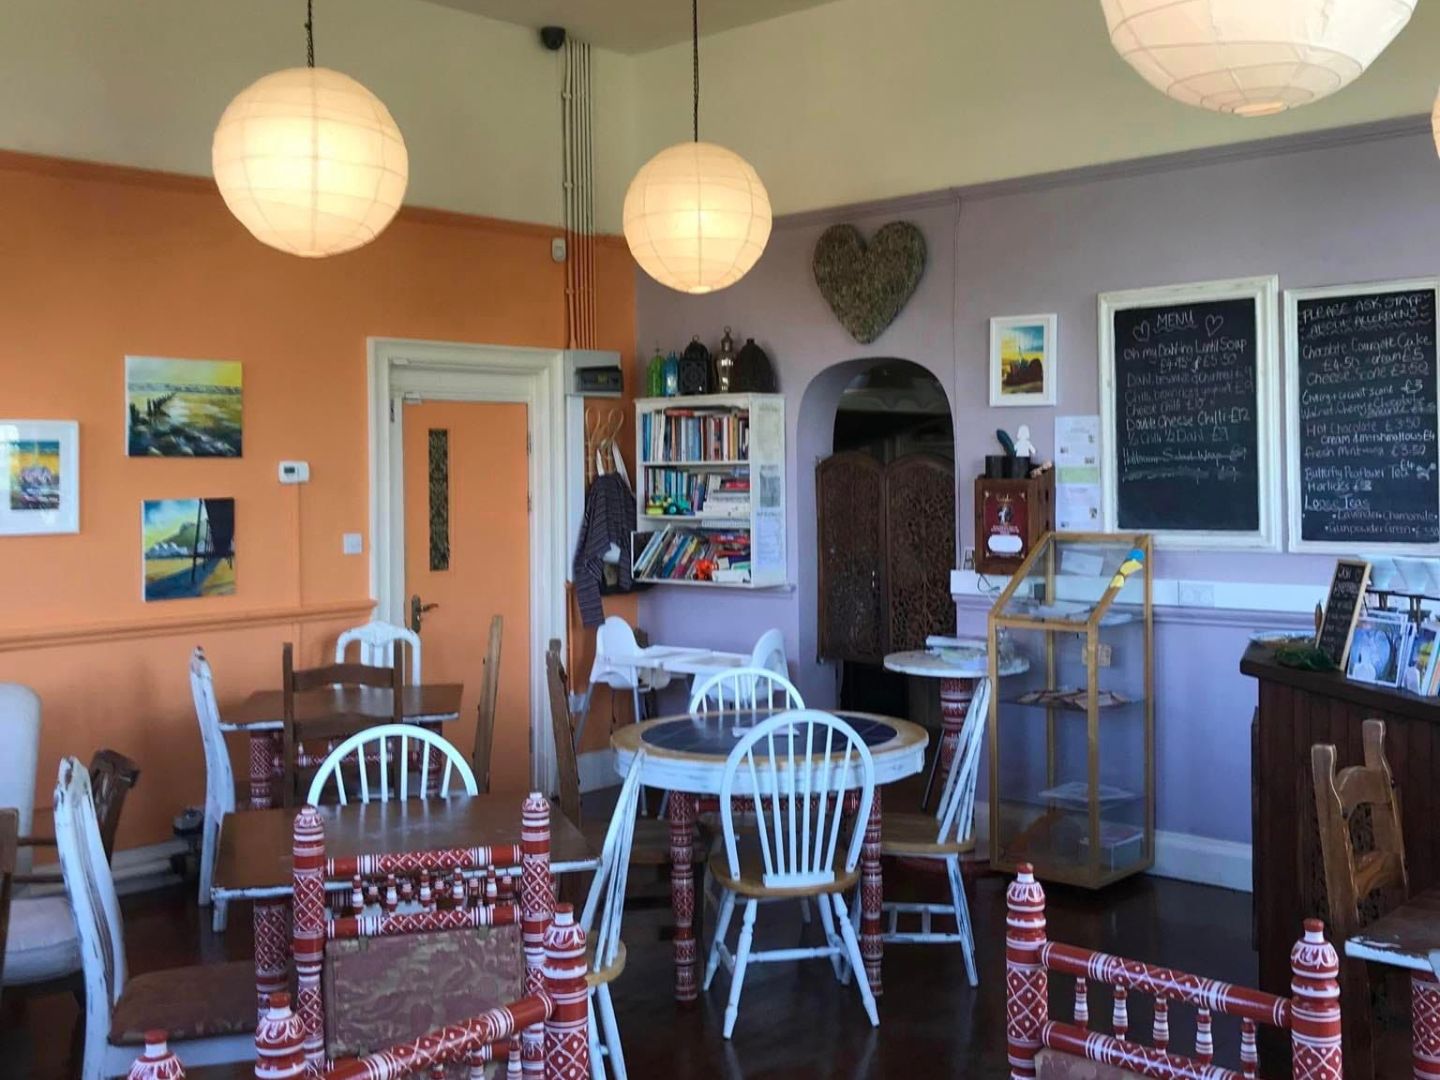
{"x": 1023, "y": 355}
{"x": 1378, "y": 650}
{"x": 1417, "y": 670}
{"x": 40, "y": 465}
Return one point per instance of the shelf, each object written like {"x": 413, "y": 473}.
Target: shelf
{"x": 695, "y": 463}
{"x": 741, "y": 522}
{"x": 1056, "y": 703}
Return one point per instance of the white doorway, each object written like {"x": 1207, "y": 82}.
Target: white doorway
{"x": 419, "y": 371}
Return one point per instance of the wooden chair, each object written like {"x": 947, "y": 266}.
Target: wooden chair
{"x": 1353, "y": 877}
{"x": 798, "y": 766}
{"x": 296, "y": 731}
{"x": 485, "y": 711}
{"x": 1049, "y": 1049}
{"x": 9, "y": 834}
{"x": 209, "y": 1010}
{"x": 460, "y": 935}
{"x": 944, "y": 837}
{"x": 219, "y": 779}
{"x": 606, "y": 901}
{"x": 378, "y": 643}
{"x": 744, "y": 688}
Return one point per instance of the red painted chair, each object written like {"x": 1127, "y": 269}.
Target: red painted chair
{"x": 466, "y": 937}
{"x": 1055, "y": 1050}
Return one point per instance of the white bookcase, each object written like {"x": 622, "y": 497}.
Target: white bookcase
{"x": 719, "y": 459}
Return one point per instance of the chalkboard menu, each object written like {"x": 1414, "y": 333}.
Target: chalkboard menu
{"x": 1189, "y": 430}
{"x": 1363, "y": 426}
{"x": 1342, "y": 608}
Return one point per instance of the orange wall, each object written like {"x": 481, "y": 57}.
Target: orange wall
{"x": 97, "y": 262}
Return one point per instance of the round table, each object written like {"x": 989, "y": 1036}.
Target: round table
{"x": 686, "y": 756}
{"x": 958, "y": 675}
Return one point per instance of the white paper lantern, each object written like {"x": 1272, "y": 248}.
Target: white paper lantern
{"x": 1253, "y": 57}
{"x": 310, "y": 161}
{"x": 697, "y": 217}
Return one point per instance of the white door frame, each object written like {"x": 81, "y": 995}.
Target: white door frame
{"x": 447, "y": 371}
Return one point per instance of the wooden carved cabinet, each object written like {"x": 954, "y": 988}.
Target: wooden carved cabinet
{"x": 887, "y": 546}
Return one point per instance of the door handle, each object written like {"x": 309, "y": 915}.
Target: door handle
{"x": 418, "y": 611}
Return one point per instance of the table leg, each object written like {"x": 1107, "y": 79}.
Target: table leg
{"x": 272, "y": 949}
{"x": 955, "y": 695}
{"x": 682, "y": 891}
{"x": 872, "y": 942}
{"x": 264, "y": 750}
{"x": 1425, "y": 1026}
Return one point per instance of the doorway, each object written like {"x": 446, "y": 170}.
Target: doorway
{"x": 885, "y": 502}
{"x": 474, "y": 433}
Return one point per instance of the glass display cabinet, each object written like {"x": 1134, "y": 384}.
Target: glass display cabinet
{"x": 1072, "y": 739}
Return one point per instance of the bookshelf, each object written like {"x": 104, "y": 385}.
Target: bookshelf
{"x": 710, "y": 495}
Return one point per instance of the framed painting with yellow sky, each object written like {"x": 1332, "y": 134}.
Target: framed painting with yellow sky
{"x": 40, "y": 470}
{"x": 182, "y": 408}
{"x": 1023, "y": 358}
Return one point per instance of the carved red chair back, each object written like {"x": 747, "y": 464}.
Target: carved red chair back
{"x": 1311, "y": 1014}
{"x": 373, "y": 906}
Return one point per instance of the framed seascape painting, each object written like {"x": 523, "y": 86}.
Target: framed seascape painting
{"x": 1022, "y": 360}
{"x": 182, "y": 408}
{"x": 189, "y": 548}
{"x": 40, "y": 463}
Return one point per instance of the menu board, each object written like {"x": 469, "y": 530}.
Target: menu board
{"x": 1187, "y": 380}
{"x": 1342, "y": 608}
{"x": 1363, "y": 431}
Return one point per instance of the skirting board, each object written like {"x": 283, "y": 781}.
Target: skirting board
{"x": 1181, "y": 856}
{"x": 597, "y": 770}
{"x": 135, "y": 870}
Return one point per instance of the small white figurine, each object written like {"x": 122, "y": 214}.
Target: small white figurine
{"x": 1023, "y": 446}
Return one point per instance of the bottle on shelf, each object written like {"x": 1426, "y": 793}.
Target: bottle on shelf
{"x": 655, "y": 374}
{"x": 672, "y": 375}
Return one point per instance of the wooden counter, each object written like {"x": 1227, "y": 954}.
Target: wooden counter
{"x": 1296, "y": 710}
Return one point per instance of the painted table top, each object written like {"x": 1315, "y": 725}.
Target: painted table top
{"x": 966, "y": 662}
{"x": 1408, "y": 937}
{"x": 688, "y": 752}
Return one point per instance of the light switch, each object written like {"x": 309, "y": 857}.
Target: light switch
{"x": 353, "y": 544}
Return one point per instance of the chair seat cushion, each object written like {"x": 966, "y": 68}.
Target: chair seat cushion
{"x": 1055, "y": 1065}
{"x": 42, "y": 943}
{"x": 752, "y": 872}
{"x": 201, "y": 1002}
{"x": 607, "y": 974}
{"x": 903, "y": 833}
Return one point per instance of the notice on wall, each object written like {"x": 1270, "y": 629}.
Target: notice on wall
{"x": 1189, "y": 432}
{"x": 1077, "y": 474}
{"x": 1364, "y": 463}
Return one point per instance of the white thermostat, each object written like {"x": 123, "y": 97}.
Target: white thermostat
{"x": 294, "y": 472}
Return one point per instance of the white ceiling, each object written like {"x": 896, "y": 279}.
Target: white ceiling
{"x": 631, "y": 26}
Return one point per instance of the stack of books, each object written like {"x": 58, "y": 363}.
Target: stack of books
{"x": 681, "y": 434}
{"x": 717, "y": 494}
{"x": 676, "y": 554}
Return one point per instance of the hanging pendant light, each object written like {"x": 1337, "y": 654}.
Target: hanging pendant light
{"x": 1252, "y": 57}
{"x": 309, "y": 160}
{"x": 697, "y": 217}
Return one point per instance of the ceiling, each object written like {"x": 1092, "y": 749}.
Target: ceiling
{"x": 631, "y": 26}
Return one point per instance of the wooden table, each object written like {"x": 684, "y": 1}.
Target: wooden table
{"x": 1409, "y": 938}
{"x": 254, "y": 860}
{"x": 686, "y": 756}
{"x": 262, "y": 717}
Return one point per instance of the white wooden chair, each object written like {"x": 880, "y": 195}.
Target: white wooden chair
{"x": 606, "y": 901}
{"x": 744, "y": 688}
{"x": 375, "y": 746}
{"x": 209, "y": 1011}
{"x": 944, "y": 837}
{"x": 219, "y": 780}
{"x": 798, "y": 767}
{"x": 377, "y": 646}
{"x": 769, "y": 653}
{"x": 20, "y": 735}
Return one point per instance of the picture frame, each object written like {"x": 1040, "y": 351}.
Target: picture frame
{"x": 1024, "y": 360}
{"x": 1417, "y": 669}
{"x": 1378, "y": 648}
{"x": 40, "y": 465}
{"x": 178, "y": 408}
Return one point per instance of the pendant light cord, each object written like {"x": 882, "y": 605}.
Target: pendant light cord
{"x": 695, "y": 57}
{"x": 310, "y": 32}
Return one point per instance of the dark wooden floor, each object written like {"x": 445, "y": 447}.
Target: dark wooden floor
{"x": 795, "y": 1020}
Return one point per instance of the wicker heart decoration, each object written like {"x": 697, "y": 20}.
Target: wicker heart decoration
{"x": 867, "y": 285}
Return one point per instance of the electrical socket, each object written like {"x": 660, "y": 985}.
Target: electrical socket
{"x": 967, "y": 558}
{"x": 1195, "y": 594}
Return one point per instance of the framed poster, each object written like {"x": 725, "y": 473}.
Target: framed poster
{"x": 40, "y": 462}
{"x": 1189, "y": 413}
{"x": 1363, "y": 433}
{"x": 1023, "y": 355}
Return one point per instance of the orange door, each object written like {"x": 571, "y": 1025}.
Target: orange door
{"x": 479, "y": 485}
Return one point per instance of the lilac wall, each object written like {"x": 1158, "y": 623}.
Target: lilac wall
{"x": 1340, "y": 208}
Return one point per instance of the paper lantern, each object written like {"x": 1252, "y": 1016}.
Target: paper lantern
{"x": 310, "y": 161}
{"x": 1252, "y": 57}
{"x": 697, "y": 217}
